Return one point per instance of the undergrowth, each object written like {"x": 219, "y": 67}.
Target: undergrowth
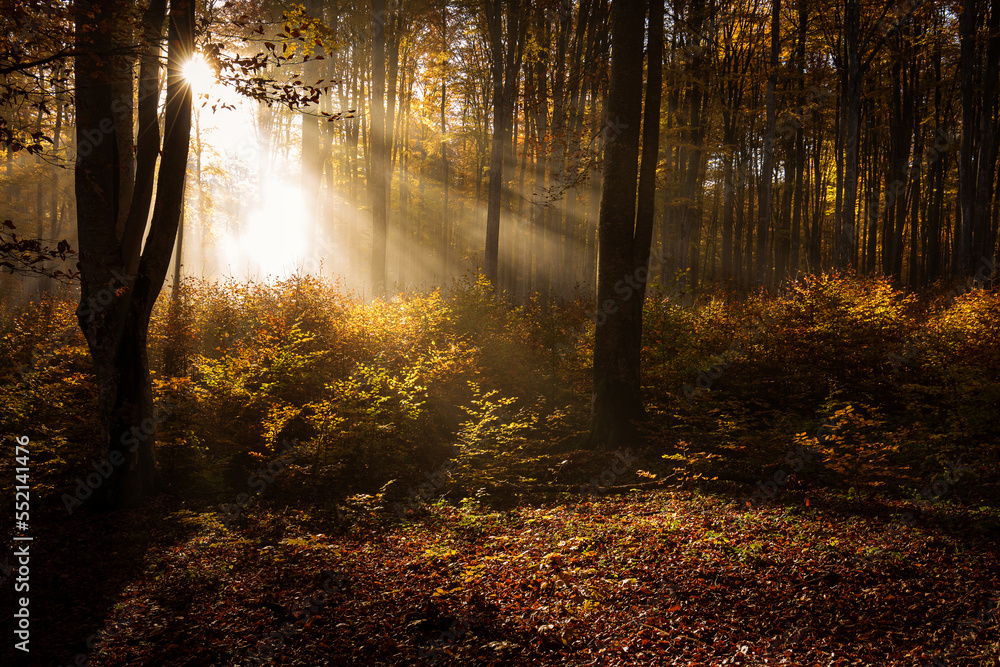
{"x": 370, "y": 392}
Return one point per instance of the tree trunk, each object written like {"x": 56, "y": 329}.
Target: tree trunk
{"x": 916, "y": 229}
{"x": 819, "y": 205}
{"x": 800, "y": 145}
{"x": 543, "y": 157}
{"x": 782, "y": 236}
{"x": 312, "y": 157}
{"x": 617, "y": 401}
{"x": 645, "y": 206}
{"x": 728, "y": 191}
{"x": 504, "y": 69}
{"x": 982, "y": 245}
{"x": 121, "y": 276}
{"x": 767, "y": 169}
{"x": 852, "y": 101}
{"x": 379, "y": 193}
{"x": 445, "y": 240}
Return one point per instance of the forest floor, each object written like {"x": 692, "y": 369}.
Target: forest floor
{"x": 817, "y": 483}
{"x": 662, "y": 577}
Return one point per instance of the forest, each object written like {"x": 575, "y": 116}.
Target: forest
{"x": 500, "y": 332}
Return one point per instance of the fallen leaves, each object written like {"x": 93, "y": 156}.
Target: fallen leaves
{"x": 641, "y": 580}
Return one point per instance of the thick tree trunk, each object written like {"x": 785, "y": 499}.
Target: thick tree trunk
{"x": 120, "y": 284}
{"x": 616, "y": 400}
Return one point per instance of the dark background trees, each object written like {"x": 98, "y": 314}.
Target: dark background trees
{"x": 883, "y": 119}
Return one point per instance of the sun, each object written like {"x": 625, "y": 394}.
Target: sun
{"x": 199, "y": 74}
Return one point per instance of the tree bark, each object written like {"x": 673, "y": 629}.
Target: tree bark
{"x": 377, "y": 186}
{"x": 966, "y": 164}
{"x": 982, "y": 243}
{"x": 445, "y": 240}
{"x": 617, "y": 401}
{"x": 115, "y": 303}
{"x": 312, "y": 156}
{"x": 767, "y": 169}
{"x": 800, "y": 145}
{"x": 505, "y": 62}
{"x": 852, "y": 101}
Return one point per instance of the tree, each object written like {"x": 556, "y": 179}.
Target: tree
{"x": 623, "y": 238}
{"x": 977, "y": 159}
{"x": 506, "y": 52}
{"x": 738, "y": 53}
{"x": 121, "y": 273}
{"x": 380, "y": 166}
{"x": 312, "y": 155}
{"x": 767, "y": 170}
{"x": 445, "y": 227}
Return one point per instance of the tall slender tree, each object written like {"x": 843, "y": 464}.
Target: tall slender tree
{"x": 379, "y": 153}
{"x": 767, "y": 170}
{"x": 506, "y": 23}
